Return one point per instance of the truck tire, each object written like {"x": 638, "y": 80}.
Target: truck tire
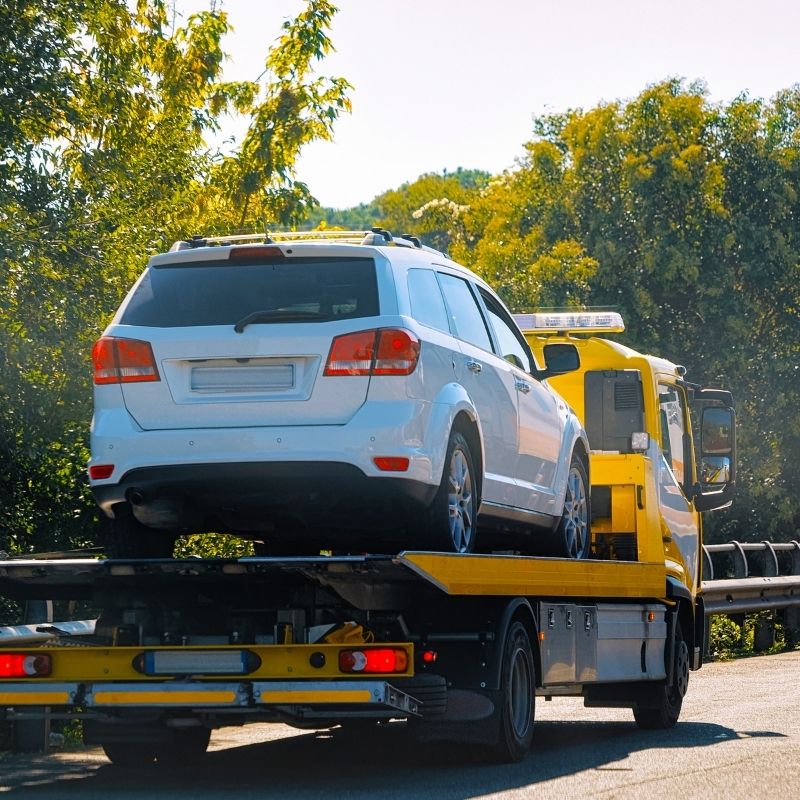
{"x": 130, "y": 754}
{"x": 126, "y": 537}
{"x": 185, "y": 747}
{"x": 670, "y": 696}
{"x": 451, "y": 522}
{"x": 573, "y": 538}
{"x": 518, "y": 698}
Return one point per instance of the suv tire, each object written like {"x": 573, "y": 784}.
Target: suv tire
{"x": 126, "y": 537}
{"x": 452, "y": 517}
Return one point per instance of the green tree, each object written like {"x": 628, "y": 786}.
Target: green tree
{"x": 682, "y": 214}
{"x": 104, "y": 116}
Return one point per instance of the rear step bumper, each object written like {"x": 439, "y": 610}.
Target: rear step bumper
{"x": 300, "y": 698}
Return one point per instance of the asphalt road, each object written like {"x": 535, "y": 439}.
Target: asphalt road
{"x": 738, "y": 737}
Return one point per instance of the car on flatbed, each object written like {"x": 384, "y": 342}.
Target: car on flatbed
{"x": 334, "y": 391}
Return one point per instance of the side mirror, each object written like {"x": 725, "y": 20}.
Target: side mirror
{"x": 560, "y": 358}
{"x": 717, "y": 468}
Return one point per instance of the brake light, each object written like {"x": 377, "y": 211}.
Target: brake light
{"x": 386, "y": 351}
{"x": 123, "y": 361}
{"x": 24, "y": 665}
{"x": 375, "y": 659}
{"x": 254, "y": 253}
{"x": 99, "y": 472}
{"x": 398, "y": 351}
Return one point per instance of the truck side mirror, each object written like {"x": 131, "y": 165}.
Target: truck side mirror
{"x": 717, "y": 468}
{"x": 560, "y": 358}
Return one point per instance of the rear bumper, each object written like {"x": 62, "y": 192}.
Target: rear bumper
{"x": 262, "y": 497}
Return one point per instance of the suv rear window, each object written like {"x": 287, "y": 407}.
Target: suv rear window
{"x": 222, "y": 293}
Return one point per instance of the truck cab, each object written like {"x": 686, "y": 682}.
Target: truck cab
{"x": 649, "y": 470}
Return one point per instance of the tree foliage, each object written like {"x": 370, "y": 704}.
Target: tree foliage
{"x": 105, "y": 112}
{"x": 684, "y": 215}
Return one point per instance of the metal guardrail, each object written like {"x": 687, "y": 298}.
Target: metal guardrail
{"x": 740, "y": 592}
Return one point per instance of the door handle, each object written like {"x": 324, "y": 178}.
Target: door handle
{"x": 522, "y": 386}
{"x": 474, "y": 366}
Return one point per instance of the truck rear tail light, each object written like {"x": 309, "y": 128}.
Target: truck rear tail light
{"x": 99, "y": 472}
{"x": 391, "y": 463}
{"x": 25, "y": 665}
{"x": 123, "y": 361}
{"x": 386, "y": 351}
{"x": 196, "y": 662}
{"x": 373, "y": 660}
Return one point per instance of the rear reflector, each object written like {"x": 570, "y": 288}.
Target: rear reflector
{"x": 386, "y": 351}
{"x": 196, "y": 662}
{"x": 123, "y": 361}
{"x": 24, "y": 665}
{"x": 375, "y": 659}
{"x": 391, "y": 463}
{"x": 99, "y": 472}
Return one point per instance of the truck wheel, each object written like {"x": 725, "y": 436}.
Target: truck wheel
{"x": 187, "y": 745}
{"x": 130, "y": 754}
{"x": 126, "y": 537}
{"x": 518, "y": 679}
{"x": 573, "y": 537}
{"x": 670, "y": 696}
{"x": 452, "y": 515}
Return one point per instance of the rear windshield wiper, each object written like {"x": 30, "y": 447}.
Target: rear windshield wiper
{"x": 276, "y": 315}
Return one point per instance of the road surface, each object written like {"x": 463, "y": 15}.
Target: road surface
{"x": 738, "y": 737}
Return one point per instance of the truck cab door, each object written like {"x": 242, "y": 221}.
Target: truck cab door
{"x": 674, "y": 470}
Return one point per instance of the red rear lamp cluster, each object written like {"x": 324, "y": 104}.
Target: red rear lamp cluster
{"x": 123, "y": 361}
{"x": 25, "y": 665}
{"x": 99, "y": 472}
{"x": 386, "y": 351}
{"x": 373, "y": 659}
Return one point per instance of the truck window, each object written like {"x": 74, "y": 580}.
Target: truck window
{"x": 673, "y": 427}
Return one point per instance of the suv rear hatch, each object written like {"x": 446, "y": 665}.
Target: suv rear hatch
{"x": 243, "y": 342}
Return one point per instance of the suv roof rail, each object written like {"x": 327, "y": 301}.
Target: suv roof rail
{"x": 375, "y": 236}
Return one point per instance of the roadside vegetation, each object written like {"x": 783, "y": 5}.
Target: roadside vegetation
{"x": 681, "y": 213}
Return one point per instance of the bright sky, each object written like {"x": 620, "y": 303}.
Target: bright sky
{"x": 447, "y": 83}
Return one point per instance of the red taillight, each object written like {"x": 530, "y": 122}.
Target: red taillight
{"x": 99, "y": 472}
{"x": 351, "y": 354}
{"x": 375, "y": 659}
{"x": 24, "y": 665}
{"x": 398, "y": 351}
{"x": 391, "y": 463}
{"x": 123, "y": 361}
{"x": 387, "y": 351}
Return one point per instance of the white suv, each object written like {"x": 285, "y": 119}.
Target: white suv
{"x": 328, "y": 392}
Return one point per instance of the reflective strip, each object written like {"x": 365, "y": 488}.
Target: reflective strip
{"x": 34, "y": 698}
{"x": 175, "y": 698}
{"x": 312, "y": 696}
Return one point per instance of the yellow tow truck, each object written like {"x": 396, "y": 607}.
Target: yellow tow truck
{"x": 457, "y": 645}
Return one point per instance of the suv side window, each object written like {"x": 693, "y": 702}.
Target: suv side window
{"x": 427, "y": 304}
{"x": 464, "y": 311}
{"x": 512, "y": 349}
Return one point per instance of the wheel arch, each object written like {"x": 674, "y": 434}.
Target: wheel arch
{"x": 517, "y": 609}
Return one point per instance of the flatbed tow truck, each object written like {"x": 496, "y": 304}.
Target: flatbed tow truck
{"x": 458, "y": 645}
